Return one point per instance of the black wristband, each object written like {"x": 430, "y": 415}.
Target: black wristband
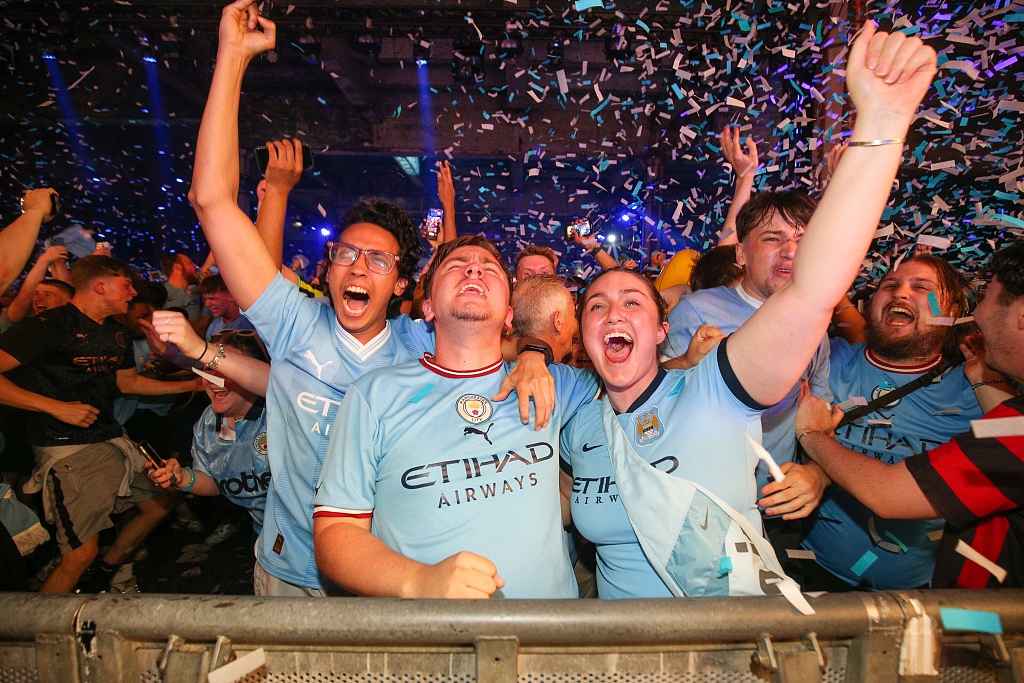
{"x": 549, "y": 356}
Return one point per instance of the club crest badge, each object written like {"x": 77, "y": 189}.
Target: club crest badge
{"x": 882, "y": 389}
{"x": 260, "y": 443}
{"x": 648, "y": 426}
{"x": 473, "y": 409}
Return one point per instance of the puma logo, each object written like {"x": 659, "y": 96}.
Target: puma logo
{"x": 319, "y": 368}
{"x": 473, "y": 430}
{"x": 704, "y": 526}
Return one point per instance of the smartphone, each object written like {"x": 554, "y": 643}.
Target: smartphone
{"x": 150, "y": 454}
{"x": 263, "y": 158}
{"x": 432, "y": 223}
{"x": 57, "y": 242}
{"x": 579, "y": 226}
{"x": 103, "y": 245}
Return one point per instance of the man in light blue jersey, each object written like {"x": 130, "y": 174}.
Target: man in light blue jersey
{"x": 766, "y": 249}
{"x": 316, "y": 351}
{"x": 428, "y": 488}
{"x": 853, "y": 548}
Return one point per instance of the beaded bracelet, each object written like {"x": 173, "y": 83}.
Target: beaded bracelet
{"x": 215, "y": 361}
{"x": 991, "y": 381}
{"x": 189, "y": 487}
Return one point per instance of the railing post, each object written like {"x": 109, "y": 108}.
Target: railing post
{"x": 497, "y": 660}
{"x": 874, "y": 656}
{"x": 56, "y": 659}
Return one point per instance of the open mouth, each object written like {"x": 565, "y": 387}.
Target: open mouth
{"x": 617, "y": 346}
{"x": 472, "y": 288}
{"x": 219, "y": 393}
{"x": 784, "y": 272}
{"x": 898, "y": 315}
{"x": 355, "y": 300}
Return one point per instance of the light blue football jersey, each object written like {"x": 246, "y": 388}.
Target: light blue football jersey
{"x": 444, "y": 469}
{"x": 688, "y": 423}
{"x": 727, "y": 308}
{"x": 924, "y": 419}
{"x": 238, "y": 463}
{"x": 313, "y": 363}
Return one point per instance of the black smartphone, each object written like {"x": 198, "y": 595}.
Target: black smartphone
{"x": 579, "y": 226}
{"x": 54, "y": 204}
{"x": 432, "y": 223}
{"x": 263, "y": 158}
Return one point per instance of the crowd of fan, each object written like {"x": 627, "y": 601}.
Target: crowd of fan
{"x": 361, "y": 413}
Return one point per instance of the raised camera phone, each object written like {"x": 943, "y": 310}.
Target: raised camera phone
{"x": 263, "y": 158}
{"x": 579, "y": 226}
{"x": 432, "y": 223}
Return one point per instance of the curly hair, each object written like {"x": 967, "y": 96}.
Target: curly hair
{"x": 1007, "y": 264}
{"x": 393, "y": 219}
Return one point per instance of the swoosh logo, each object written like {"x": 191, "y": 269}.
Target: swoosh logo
{"x": 588, "y": 447}
{"x": 704, "y": 526}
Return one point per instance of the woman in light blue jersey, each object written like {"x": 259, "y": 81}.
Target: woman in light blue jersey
{"x": 698, "y": 424}
{"x": 229, "y": 447}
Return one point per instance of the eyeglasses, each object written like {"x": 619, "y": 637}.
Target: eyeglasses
{"x": 346, "y": 254}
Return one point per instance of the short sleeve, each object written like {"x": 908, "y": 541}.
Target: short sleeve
{"x": 840, "y": 352}
{"x": 283, "y": 316}
{"x": 31, "y": 337}
{"x": 683, "y": 321}
{"x": 574, "y": 388}
{"x": 417, "y": 335}
{"x": 818, "y": 372}
{"x": 348, "y": 478}
{"x": 717, "y": 386}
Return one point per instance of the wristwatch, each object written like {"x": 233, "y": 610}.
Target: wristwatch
{"x": 549, "y": 356}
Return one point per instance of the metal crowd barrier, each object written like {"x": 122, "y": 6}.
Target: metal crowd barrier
{"x": 855, "y": 637}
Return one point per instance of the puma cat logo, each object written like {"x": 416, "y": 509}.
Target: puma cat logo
{"x": 319, "y": 368}
{"x": 473, "y": 430}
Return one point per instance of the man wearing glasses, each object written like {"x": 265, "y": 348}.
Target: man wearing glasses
{"x": 316, "y": 351}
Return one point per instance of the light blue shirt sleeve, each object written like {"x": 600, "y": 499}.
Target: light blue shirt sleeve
{"x": 283, "y": 316}
{"x": 683, "y": 321}
{"x": 349, "y": 474}
{"x": 417, "y": 335}
{"x": 819, "y": 370}
{"x": 574, "y": 388}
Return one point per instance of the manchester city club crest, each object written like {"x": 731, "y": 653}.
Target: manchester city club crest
{"x": 260, "y": 443}
{"x": 473, "y": 409}
{"x": 882, "y": 389}
{"x": 648, "y": 426}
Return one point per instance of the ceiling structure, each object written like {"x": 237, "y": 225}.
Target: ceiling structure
{"x": 546, "y": 110}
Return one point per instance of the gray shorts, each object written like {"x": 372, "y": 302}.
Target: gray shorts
{"x": 82, "y": 493}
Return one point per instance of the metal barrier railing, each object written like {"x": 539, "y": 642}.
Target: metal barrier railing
{"x": 862, "y": 637}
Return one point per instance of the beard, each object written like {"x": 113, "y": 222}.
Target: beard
{"x": 471, "y": 313}
{"x": 921, "y": 343}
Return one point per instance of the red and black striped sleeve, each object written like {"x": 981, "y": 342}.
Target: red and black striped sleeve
{"x": 968, "y": 478}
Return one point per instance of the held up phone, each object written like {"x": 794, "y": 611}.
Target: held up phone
{"x": 432, "y": 223}
{"x": 263, "y": 158}
{"x": 150, "y": 454}
{"x": 579, "y": 226}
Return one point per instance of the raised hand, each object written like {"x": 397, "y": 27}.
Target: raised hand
{"x": 174, "y": 328}
{"x": 167, "y": 476}
{"x": 445, "y": 186}
{"x": 744, "y": 160}
{"x": 39, "y": 201}
{"x": 887, "y": 76}
{"x": 55, "y": 253}
{"x": 239, "y": 30}
{"x": 75, "y": 413}
{"x": 530, "y": 378}
{"x": 284, "y": 167}
{"x": 463, "y": 575}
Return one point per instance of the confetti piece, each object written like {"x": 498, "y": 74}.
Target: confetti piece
{"x": 933, "y": 303}
{"x": 861, "y": 565}
{"x": 799, "y": 554}
{"x": 852, "y": 402}
{"x": 935, "y": 535}
{"x": 589, "y": 4}
{"x": 322, "y": 210}
{"x": 946, "y": 322}
{"x": 767, "y": 458}
{"x": 724, "y": 565}
{"x": 934, "y": 241}
{"x": 997, "y": 427}
{"x": 955, "y": 619}
{"x": 212, "y": 379}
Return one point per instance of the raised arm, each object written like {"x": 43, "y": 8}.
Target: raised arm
{"x": 744, "y": 163}
{"x": 243, "y": 258}
{"x": 446, "y": 193}
{"x": 887, "y": 76}
{"x": 18, "y": 239}
{"x": 22, "y": 303}
{"x": 284, "y": 168}
{"x": 251, "y": 374}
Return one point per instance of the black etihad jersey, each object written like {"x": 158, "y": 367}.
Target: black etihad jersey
{"x": 68, "y": 356}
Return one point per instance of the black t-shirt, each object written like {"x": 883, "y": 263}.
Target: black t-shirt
{"x": 68, "y": 356}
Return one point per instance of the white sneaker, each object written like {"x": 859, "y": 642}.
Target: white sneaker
{"x": 221, "y": 534}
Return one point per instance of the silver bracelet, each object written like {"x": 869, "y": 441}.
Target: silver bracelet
{"x": 991, "y": 381}
{"x": 812, "y": 431}
{"x": 212, "y": 365}
{"x": 877, "y": 143}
